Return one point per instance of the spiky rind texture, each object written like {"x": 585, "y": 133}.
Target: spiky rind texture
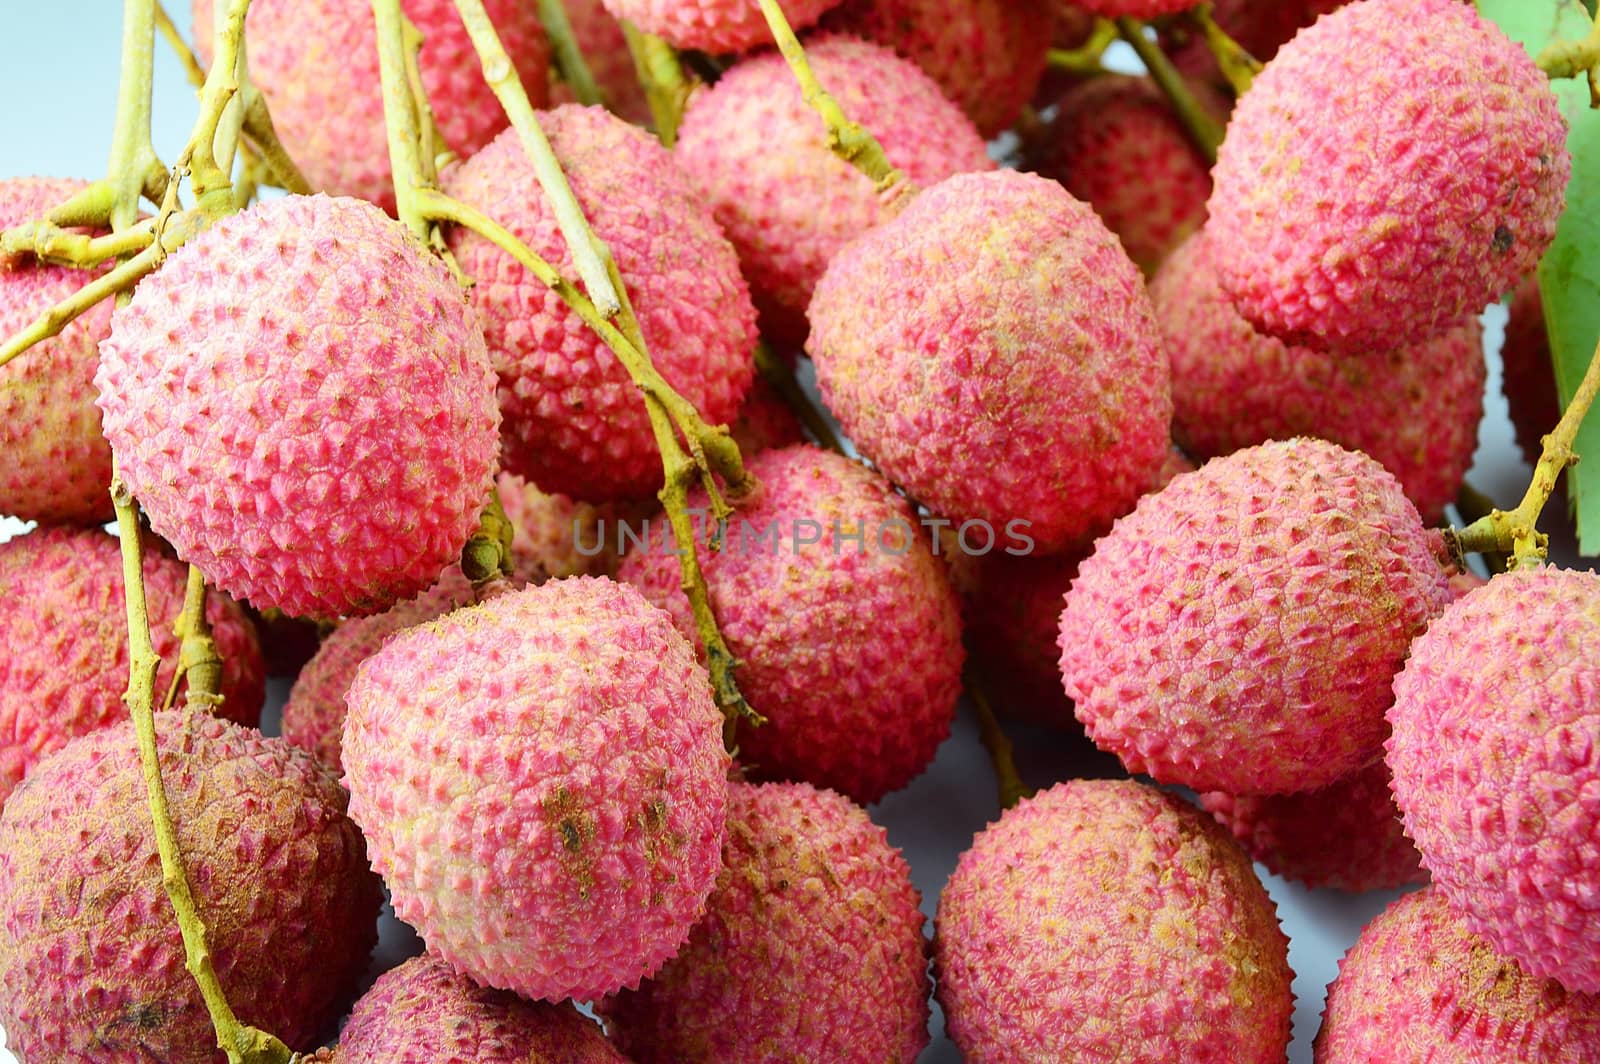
{"x": 1239, "y": 630}
{"x": 542, "y": 782}
{"x": 65, "y": 632}
{"x": 1415, "y": 407}
{"x": 316, "y": 64}
{"x": 812, "y": 940}
{"x": 426, "y": 1012}
{"x": 993, "y": 351}
{"x": 57, "y": 463}
{"x": 301, "y": 400}
{"x": 1530, "y": 381}
{"x": 574, "y": 422}
{"x": 1116, "y": 144}
{"x": 1496, "y": 766}
{"x": 759, "y": 154}
{"x": 1106, "y": 920}
{"x": 850, "y": 647}
{"x": 605, "y": 50}
{"x": 714, "y": 25}
{"x": 91, "y": 959}
{"x": 555, "y": 536}
{"x": 1419, "y": 985}
{"x": 1011, "y": 613}
{"x": 1346, "y": 835}
{"x": 987, "y": 55}
{"x": 1359, "y": 162}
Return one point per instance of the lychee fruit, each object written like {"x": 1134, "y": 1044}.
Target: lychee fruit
{"x": 1107, "y": 920}
{"x": 301, "y": 400}
{"x": 1494, "y": 754}
{"x": 1529, "y": 382}
{"x": 1346, "y": 836}
{"x": 1420, "y": 985}
{"x": 327, "y": 99}
{"x": 1415, "y": 407}
{"x": 1260, "y": 27}
{"x": 91, "y": 958}
{"x": 58, "y": 465}
{"x": 605, "y": 49}
{"x": 759, "y": 155}
{"x": 425, "y": 1012}
{"x": 811, "y": 947}
{"x": 65, "y": 630}
{"x": 847, "y": 631}
{"x": 1011, "y": 613}
{"x": 542, "y": 782}
{"x": 1240, "y": 629}
{"x": 555, "y": 535}
{"x": 714, "y": 25}
{"x": 987, "y": 55}
{"x": 765, "y": 422}
{"x": 993, "y": 351}
{"x": 575, "y": 422}
{"x": 1359, "y": 162}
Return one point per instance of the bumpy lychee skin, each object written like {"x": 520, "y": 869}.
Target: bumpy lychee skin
{"x": 1346, "y": 835}
{"x": 327, "y": 102}
{"x": 1106, "y": 920}
{"x": 1323, "y": 244}
{"x": 1420, "y": 985}
{"x": 542, "y": 782}
{"x": 65, "y": 631}
{"x": 555, "y": 535}
{"x": 812, "y": 938}
{"x": 987, "y": 55}
{"x": 1415, "y": 407}
{"x": 1117, "y": 145}
{"x": 425, "y": 1012}
{"x": 759, "y": 154}
{"x": 713, "y": 25}
{"x": 1240, "y": 629}
{"x": 1529, "y": 381}
{"x": 574, "y": 422}
{"x": 91, "y": 959}
{"x": 605, "y": 50}
{"x": 58, "y": 465}
{"x": 302, "y": 401}
{"x": 848, "y": 631}
{"x": 993, "y": 351}
{"x": 1495, "y": 767}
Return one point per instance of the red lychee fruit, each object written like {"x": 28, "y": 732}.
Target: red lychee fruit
{"x": 812, "y": 939}
{"x": 759, "y": 154}
{"x": 605, "y": 49}
{"x": 555, "y": 535}
{"x": 1530, "y": 381}
{"x": 1359, "y": 163}
{"x": 714, "y": 25}
{"x": 574, "y": 420}
{"x": 765, "y": 422}
{"x": 301, "y": 400}
{"x": 993, "y": 351}
{"x": 1240, "y": 629}
{"x": 1497, "y": 766}
{"x": 65, "y": 629}
{"x": 1106, "y": 920}
{"x": 91, "y": 958}
{"x": 1011, "y": 614}
{"x": 542, "y": 782}
{"x": 845, "y": 624}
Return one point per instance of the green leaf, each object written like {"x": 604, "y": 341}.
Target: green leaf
{"x": 1569, "y": 276}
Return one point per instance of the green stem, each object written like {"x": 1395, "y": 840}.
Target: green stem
{"x": 213, "y": 184}
{"x": 666, "y": 84}
{"x": 400, "y": 117}
{"x": 199, "y": 660}
{"x": 69, "y": 309}
{"x": 1238, "y": 65}
{"x": 1570, "y": 59}
{"x": 47, "y": 242}
{"x": 133, "y": 153}
{"x": 1001, "y": 754}
{"x": 1085, "y": 59}
{"x": 1201, "y": 127}
{"x": 574, "y": 69}
{"x": 487, "y": 554}
{"x": 776, "y": 372}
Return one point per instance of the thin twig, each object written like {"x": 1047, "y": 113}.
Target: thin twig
{"x": 665, "y": 82}
{"x": 1237, "y": 65}
{"x": 995, "y": 741}
{"x": 568, "y": 55}
{"x": 1203, "y": 130}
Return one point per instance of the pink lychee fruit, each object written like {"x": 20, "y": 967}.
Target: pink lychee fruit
{"x": 812, "y": 939}
{"x": 575, "y": 423}
{"x": 1529, "y": 382}
{"x": 714, "y": 25}
{"x": 1011, "y": 613}
{"x": 316, "y": 65}
{"x": 65, "y": 630}
{"x": 1116, "y": 144}
{"x": 1346, "y": 835}
{"x": 301, "y": 400}
{"x": 1415, "y": 407}
{"x": 555, "y": 535}
{"x": 1240, "y": 629}
{"x": 759, "y": 155}
{"x": 1419, "y": 984}
{"x": 425, "y": 1012}
{"x": 91, "y": 959}
{"x": 58, "y": 465}
{"x": 847, "y": 630}
{"x": 1107, "y": 920}
{"x": 765, "y": 422}
{"x": 605, "y": 49}
{"x": 1497, "y": 766}
{"x": 1359, "y": 163}
{"x": 542, "y": 781}
{"x": 993, "y": 351}
{"x": 987, "y": 55}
